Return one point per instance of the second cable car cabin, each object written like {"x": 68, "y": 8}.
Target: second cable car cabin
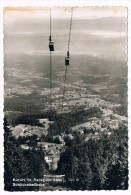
{"x": 67, "y": 59}
{"x": 51, "y": 44}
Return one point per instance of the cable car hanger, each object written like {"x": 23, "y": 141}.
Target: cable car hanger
{"x": 51, "y": 43}
{"x": 51, "y": 48}
{"x": 67, "y": 58}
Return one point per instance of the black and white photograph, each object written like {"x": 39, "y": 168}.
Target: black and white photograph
{"x": 65, "y": 98}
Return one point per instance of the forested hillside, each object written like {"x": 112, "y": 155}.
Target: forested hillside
{"x": 20, "y": 164}
{"x": 97, "y": 164}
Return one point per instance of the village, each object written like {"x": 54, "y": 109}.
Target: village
{"x": 92, "y": 129}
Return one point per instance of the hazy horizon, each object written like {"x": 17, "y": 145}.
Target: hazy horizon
{"x": 99, "y": 32}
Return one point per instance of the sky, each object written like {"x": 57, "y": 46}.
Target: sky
{"x": 96, "y": 31}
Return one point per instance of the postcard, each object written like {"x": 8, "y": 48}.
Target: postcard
{"x": 65, "y": 98}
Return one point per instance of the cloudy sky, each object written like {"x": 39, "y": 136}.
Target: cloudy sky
{"x": 96, "y": 31}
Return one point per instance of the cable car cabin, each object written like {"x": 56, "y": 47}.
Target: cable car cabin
{"x": 51, "y": 46}
{"x": 67, "y": 61}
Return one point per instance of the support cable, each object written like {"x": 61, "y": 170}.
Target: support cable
{"x": 70, "y": 29}
{"x": 64, "y": 90}
{"x": 50, "y": 68}
{"x": 68, "y": 55}
{"x": 50, "y": 21}
{"x": 50, "y": 80}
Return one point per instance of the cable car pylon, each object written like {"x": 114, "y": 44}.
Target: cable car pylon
{"x": 67, "y": 58}
{"x": 51, "y": 48}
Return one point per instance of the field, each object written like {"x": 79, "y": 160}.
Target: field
{"x": 27, "y": 83}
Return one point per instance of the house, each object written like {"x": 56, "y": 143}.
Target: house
{"x": 45, "y": 122}
{"x": 52, "y": 157}
{"x": 70, "y": 136}
{"x": 113, "y": 124}
{"x": 57, "y": 148}
{"x": 49, "y": 156}
{"x": 52, "y": 153}
{"x": 25, "y": 147}
{"x": 46, "y": 145}
{"x": 93, "y": 119}
{"x": 60, "y": 138}
{"x": 18, "y": 130}
{"x": 57, "y": 136}
{"x": 81, "y": 132}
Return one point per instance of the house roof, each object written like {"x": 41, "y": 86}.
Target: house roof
{"x": 50, "y": 152}
{"x": 25, "y": 147}
{"x": 47, "y": 143}
{"x": 56, "y": 136}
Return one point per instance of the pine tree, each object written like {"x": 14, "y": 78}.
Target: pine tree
{"x": 84, "y": 175}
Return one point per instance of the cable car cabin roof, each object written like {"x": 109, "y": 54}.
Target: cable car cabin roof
{"x": 67, "y": 58}
{"x": 51, "y": 43}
